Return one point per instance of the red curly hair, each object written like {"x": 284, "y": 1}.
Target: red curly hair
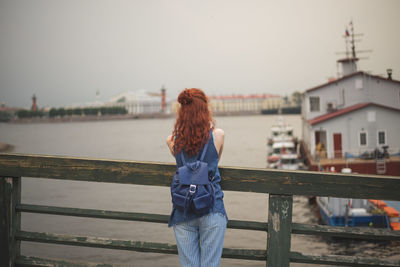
{"x": 193, "y": 123}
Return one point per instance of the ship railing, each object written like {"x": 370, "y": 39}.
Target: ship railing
{"x": 279, "y": 186}
{"x": 349, "y": 155}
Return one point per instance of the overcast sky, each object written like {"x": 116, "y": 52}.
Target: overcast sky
{"x": 64, "y": 51}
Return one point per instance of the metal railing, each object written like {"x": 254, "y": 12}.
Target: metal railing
{"x": 280, "y": 185}
{"x": 358, "y": 154}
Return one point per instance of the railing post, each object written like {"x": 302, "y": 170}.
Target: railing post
{"x": 279, "y": 230}
{"x": 10, "y": 220}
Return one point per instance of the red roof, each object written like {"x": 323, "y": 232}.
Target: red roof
{"x": 343, "y": 111}
{"x": 253, "y": 96}
{"x": 9, "y": 109}
{"x": 349, "y": 76}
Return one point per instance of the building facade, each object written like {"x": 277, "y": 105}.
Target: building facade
{"x": 358, "y": 87}
{"x": 353, "y": 115}
{"x": 227, "y": 104}
{"x": 353, "y": 131}
{"x": 245, "y": 103}
{"x": 140, "y": 102}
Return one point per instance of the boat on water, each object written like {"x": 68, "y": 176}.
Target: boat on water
{"x": 290, "y": 162}
{"x": 282, "y": 148}
{"x": 351, "y": 212}
{"x": 358, "y": 212}
{"x": 281, "y": 133}
{"x": 281, "y": 151}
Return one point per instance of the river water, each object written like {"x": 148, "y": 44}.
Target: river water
{"x": 144, "y": 140}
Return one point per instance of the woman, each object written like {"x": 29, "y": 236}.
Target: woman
{"x": 199, "y": 238}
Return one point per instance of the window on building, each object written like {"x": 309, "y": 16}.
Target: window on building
{"x": 381, "y": 138}
{"x": 363, "y": 138}
{"x": 314, "y": 103}
{"x": 371, "y": 116}
{"x": 359, "y": 84}
{"x": 342, "y": 96}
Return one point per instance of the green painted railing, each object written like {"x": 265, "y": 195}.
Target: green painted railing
{"x": 280, "y": 185}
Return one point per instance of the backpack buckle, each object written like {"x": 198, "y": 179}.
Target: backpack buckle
{"x": 192, "y": 189}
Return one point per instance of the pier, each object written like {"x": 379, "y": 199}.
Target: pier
{"x": 279, "y": 186}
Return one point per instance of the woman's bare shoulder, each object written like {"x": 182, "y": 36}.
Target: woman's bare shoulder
{"x": 169, "y": 139}
{"x": 170, "y": 144}
{"x": 219, "y": 136}
{"x": 218, "y": 132}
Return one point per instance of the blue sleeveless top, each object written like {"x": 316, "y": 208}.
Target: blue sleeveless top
{"x": 211, "y": 157}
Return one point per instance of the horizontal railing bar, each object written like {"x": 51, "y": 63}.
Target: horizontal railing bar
{"x": 130, "y": 216}
{"x": 297, "y": 228}
{"x": 248, "y": 225}
{"x": 24, "y": 261}
{"x": 247, "y": 254}
{"x": 364, "y": 233}
{"x": 235, "y": 179}
{"x": 93, "y": 213}
{"x": 341, "y": 260}
{"x": 98, "y": 242}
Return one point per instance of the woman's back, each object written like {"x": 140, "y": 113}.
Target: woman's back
{"x": 218, "y": 136}
{"x": 199, "y": 236}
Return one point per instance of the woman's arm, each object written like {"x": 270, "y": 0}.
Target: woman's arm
{"x": 219, "y": 138}
{"x": 170, "y": 144}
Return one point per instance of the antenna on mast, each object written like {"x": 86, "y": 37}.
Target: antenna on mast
{"x": 349, "y": 62}
{"x": 353, "y": 47}
{"x": 350, "y": 40}
{"x": 346, "y": 36}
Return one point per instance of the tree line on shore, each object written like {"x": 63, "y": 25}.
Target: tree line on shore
{"x": 62, "y": 112}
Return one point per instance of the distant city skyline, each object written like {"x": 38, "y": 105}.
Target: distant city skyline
{"x": 80, "y": 51}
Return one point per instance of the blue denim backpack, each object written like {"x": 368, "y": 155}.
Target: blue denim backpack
{"x": 191, "y": 187}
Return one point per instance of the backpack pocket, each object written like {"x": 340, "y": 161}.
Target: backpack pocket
{"x": 202, "y": 203}
{"x": 179, "y": 201}
{"x": 180, "y": 196}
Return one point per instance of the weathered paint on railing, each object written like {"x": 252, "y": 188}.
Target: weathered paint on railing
{"x": 281, "y": 185}
{"x": 235, "y": 179}
{"x": 297, "y": 228}
{"x": 279, "y": 230}
{"x": 10, "y": 221}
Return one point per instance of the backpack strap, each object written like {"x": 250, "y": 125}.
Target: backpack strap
{"x": 206, "y": 145}
{"x": 202, "y": 154}
{"x": 204, "y": 151}
{"x": 182, "y": 158}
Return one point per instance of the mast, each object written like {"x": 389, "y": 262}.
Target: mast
{"x": 353, "y": 47}
{"x": 349, "y": 63}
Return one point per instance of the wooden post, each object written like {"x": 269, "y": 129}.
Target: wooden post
{"x": 10, "y": 221}
{"x": 279, "y": 230}
{"x": 16, "y": 221}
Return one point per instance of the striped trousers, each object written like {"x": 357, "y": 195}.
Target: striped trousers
{"x": 200, "y": 241}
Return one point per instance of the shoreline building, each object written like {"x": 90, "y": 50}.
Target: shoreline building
{"x": 34, "y": 103}
{"x": 141, "y": 102}
{"x": 245, "y": 103}
{"x": 240, "y": 104}
{"x": 352, "y": 121}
